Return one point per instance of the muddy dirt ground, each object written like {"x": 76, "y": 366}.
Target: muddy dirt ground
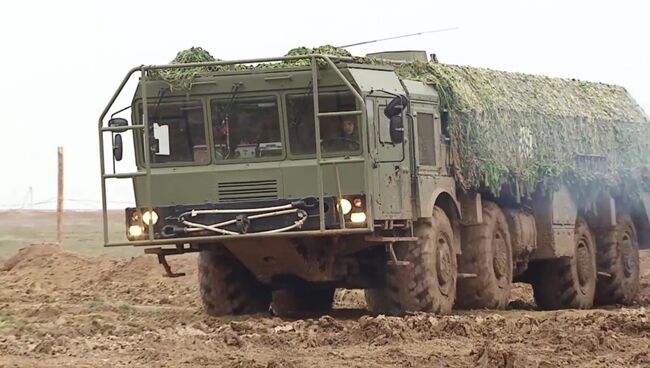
{"x": 88, "y": 306}
{"x": 60, "y": 308}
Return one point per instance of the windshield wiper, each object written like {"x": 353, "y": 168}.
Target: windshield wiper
{"x": 231, "y": 103}
{"x": 227, "y": 111}
{"x": 300, "y": 108}
{"x": 161, "y": 95}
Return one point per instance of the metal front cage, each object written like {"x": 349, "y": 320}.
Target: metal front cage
{"x": 146, "y": 171}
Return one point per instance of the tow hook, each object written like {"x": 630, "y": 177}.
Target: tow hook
{"x": 161, "y": 253}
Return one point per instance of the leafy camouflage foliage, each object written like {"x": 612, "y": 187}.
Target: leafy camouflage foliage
{"x": 537, "y": 129}
{"x": 182, "y": 79}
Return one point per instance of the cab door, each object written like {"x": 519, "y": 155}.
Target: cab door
{"x": 391, "y": 166}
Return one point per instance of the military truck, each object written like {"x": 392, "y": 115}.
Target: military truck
{"x": 296, "y": 175}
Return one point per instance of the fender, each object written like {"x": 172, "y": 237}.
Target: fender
{"x": 430, "y": 190}
{"x": 443, "y": 196}
{"x": 446, "y": 195}
{"x": 446, "y": 200}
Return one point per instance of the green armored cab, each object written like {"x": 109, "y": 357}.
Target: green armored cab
{"x": 430, "y": 186}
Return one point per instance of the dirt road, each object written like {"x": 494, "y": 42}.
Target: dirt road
{"x": 65, "y": 309}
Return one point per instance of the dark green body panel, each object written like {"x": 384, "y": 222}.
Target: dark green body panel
{"x": 295, "y": 179}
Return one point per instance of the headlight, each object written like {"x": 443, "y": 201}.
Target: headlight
{"x": 358, "y": 217}
{"x": 345, "y": 206}
{"x": 135, "y": 231}
{"x": 149, "y": 217}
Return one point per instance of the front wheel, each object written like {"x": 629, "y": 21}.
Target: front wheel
{"x": 428, "y": 282}
{"x": 227, "y": 287}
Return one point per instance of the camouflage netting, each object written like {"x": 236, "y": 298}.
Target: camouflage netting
{"x": 509, "y": 128}
{"x": 535, "y": 128}
{"x": 182, "y": 79}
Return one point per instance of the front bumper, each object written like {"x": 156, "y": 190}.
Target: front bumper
{"x": 236, "y": 219}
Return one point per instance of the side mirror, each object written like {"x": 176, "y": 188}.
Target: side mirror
{"x": 396, "y": 129}
{"x": 396, "y": 106}
{"x": 118, "y": 122}
{"x": 117, "y": 147}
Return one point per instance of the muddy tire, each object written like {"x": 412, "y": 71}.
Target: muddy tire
{"x": 428, "y": 283}
{"x": 487, "y": 252}
{"x": 568, "y": 283}
{"x": 227, "y": 287}
{"x": 286, "y": 302}
{"x": 618, "y": 258}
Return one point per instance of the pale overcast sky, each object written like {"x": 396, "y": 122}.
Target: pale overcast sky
{"x": 61, "y": 60}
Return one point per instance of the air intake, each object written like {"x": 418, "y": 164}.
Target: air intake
{"x": 236, "y": 191}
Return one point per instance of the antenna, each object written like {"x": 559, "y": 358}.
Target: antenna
{"x": 402, "y": 36}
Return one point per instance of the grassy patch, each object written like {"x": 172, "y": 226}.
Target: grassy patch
{"x": 124, "y": 306}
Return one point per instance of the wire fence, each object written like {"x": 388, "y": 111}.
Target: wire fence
{"x": 71, "y": 203}
{"x": 28, "y": 202}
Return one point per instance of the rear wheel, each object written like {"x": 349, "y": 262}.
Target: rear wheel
{"x": 568, "y": 283}
{"x": 428, "y": 282}
{"x": 487, "y": 252}
{"x": 302, "y": 299}
{"x": 618, "y": 260}
{"x": 227, "y": 286}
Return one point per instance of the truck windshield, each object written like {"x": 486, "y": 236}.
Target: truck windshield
{"x": 177, "y": 132}
{"x": 246, "y": 128}
{"x": 338, "y": 134}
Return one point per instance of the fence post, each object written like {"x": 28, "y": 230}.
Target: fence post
{"x": 59, "y": 199}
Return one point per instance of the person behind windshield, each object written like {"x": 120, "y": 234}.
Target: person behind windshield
{"x": 347, "y": 128}
{"x": 347, "y": 139}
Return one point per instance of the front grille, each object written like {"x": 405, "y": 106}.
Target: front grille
{"x": 247, "y": 190}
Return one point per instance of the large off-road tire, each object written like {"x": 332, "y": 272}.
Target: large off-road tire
{"x": 227, "y": 286}
{"x": 428, "y": 282}
{"x": 302, "y": 299}
{"x": 568, "y": 282}
{"x": 487, "y": 252}
{"x": 618, "y": 262}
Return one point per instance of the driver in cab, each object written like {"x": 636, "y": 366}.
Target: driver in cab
{"x": 346, "y": 139}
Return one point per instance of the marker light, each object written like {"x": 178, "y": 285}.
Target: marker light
{"x": 345, "y": 205}
{"x": 135, "y": 231}
{"x": 358, "y": 217}
{"x": 357, "y": 202}
{"x": 150, "y": 217}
